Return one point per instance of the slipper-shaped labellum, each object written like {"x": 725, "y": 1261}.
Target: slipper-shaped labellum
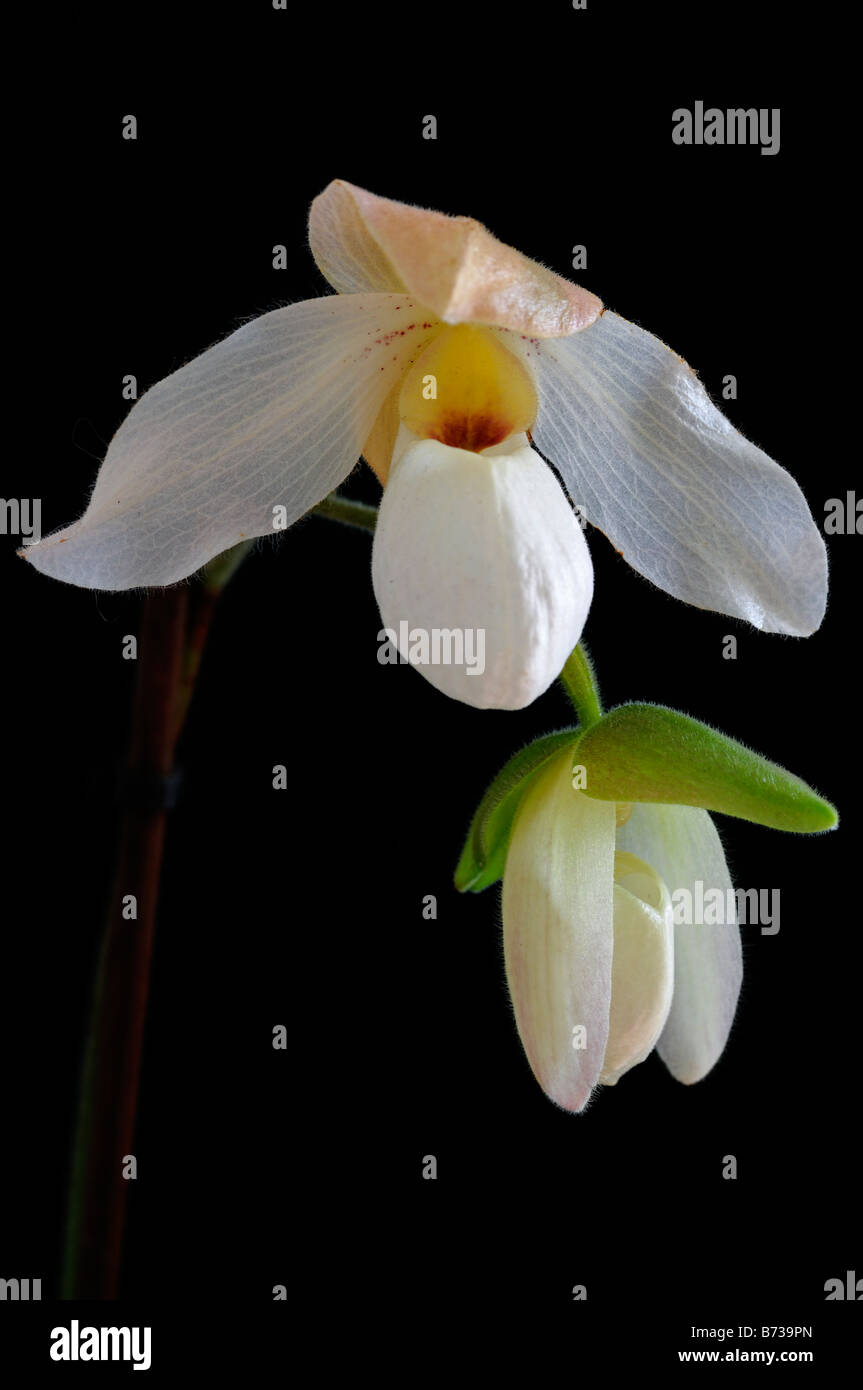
{"x": 448, "y": 359}
{"x": 598, "y": 970}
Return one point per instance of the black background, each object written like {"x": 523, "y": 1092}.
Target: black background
{"x": 304, "y": 907}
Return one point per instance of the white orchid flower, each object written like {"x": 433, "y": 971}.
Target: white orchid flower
{"x": 620, "y": 922}
{"x": 448, "y": 360}
{"x": 598, "y": 973}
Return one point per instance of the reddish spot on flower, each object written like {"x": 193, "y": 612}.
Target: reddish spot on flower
{"x": 473, "y": 432}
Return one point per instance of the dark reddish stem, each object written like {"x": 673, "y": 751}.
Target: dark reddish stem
{"x": 174, "y": 628}
{"x": 109, "y": 1092}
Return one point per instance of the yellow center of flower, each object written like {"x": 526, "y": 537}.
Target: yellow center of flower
{"x": 467, "y": 390}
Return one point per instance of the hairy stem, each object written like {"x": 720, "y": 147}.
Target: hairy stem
{"x": 579, "y": 682}
{"x": 336, "y": 508}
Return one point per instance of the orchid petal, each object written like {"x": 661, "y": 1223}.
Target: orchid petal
{"x": 452, "y": 265}
{"x": 681, "y": 843}
{"x": 240, "y": 442}
{"x": 642, "y": 970}
{"x": 378, "y": 448}
{"x": 485, "y": 547}
{"x": 558, "y": 933}
{"x": 689, "y": 502}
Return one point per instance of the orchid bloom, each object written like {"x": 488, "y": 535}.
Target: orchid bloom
{"x": 448, "y": 360}
{"x": 620, "y": 922}
{"x": 598, "y": 972}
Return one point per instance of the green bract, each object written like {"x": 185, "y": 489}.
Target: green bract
{"x": 650, "y": 753}
{"x": 484, "y": 854}
{"x": 644, "y": 753}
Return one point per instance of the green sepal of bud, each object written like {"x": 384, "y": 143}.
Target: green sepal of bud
{"x": 484, "y": 854}
{"x": 649, "y": 753}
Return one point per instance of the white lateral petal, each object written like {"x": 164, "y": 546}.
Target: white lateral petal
{"x": 689, "y": 502}
{"x": 274, "y": 416}
{"x": 557, "y": 932}
{"x": 485, "y": 546}
{"x": 642, "y": 972}
{"x": 452, "y": 264}
{"x": 682, "y": 845}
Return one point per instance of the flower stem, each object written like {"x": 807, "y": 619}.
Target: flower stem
{"x": 174, "y": 626}
{"x": 205, "y": 597}
{"x": 109, "y": 1090}
{"x": 337, "y": 508}
{"x": 579, "y": 682}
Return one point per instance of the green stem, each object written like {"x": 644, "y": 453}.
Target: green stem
{"x": 579, "y": 682}
{"x": 337, "y": 508}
